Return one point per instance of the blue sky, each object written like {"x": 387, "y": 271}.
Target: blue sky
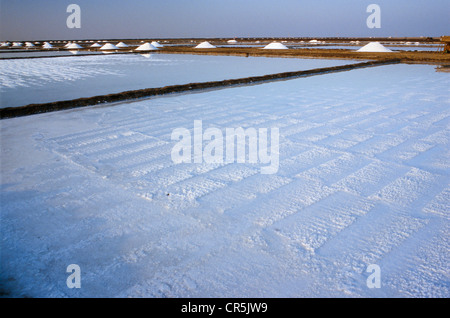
{"x": 46, "y": 19}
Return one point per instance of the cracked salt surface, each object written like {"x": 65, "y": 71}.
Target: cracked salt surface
{"x": 363, "y": 180}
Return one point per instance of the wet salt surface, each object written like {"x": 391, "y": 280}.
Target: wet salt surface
{"x": 45, "y": 80}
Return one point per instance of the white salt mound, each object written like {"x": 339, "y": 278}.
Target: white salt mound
{"x": 146, "y": 47}
{"x": 374, "y": 47}
{"x": 276, "y": 46}
{"x": 95, "y": 45}
{"x": 74, "y": 46}
{"x": 29, "y": 44}
{"x": 156, "y": 44}
{"x": 109, "y": 47}
{"x": 232, "y": 41}
{"x": 121, "y": 44}
{"x": 205, "y": 45}
{"x": 47, "y": 45}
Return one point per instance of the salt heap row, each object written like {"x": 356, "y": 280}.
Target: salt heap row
{"x": 271, "y": 46}
{"x": 121, "y": 45}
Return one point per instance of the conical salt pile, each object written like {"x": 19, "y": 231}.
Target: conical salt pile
{"x": 146, "y": 47}
{"x": 74, "y": 46}
{"x": 205, "y": 45}
{"x": 17, "y": 44}
{"x": 96, "y": 45}
{"x": 121, "y": 44}
{"x": 276, "y": 46}
{"x": 374, "y": 47}
{"x": 109, "y": 47}
{"x": 29, "y": 44}
{"x": 232, "y": 41}
{"x": 47, "y": 45}
{"x": 156, "y": 44}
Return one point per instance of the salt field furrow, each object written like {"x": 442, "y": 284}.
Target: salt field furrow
{"x": 362, "y": 179}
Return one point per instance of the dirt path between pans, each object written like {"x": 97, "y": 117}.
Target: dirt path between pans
{"x": 11, "y": 112}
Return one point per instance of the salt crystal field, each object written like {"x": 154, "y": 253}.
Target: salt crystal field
{"x": 44, "y": 80}
{"x": 9, "y": 54}
{"x": 362, "y": 178}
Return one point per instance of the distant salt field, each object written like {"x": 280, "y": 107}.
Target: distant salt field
{"x": 8, "y": 54}
{"x": 43, "y": 80}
